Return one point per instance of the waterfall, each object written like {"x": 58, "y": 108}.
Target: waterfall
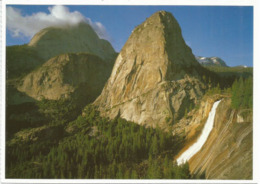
{"x": 192, "y": 150}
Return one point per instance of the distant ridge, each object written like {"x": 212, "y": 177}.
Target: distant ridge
{"x": 53, "y": 41}
{"x": 211, "y": 61}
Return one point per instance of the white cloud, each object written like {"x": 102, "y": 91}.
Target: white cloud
{"x": 58, "y": 16}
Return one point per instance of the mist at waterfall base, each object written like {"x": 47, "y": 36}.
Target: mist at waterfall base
{"x": 192, "y": 150}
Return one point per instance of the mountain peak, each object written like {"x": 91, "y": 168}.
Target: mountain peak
{"x": 211, "y": 61}
{"x": 162, "y": 34}
{"x": 162, "y": 15}
{"x": 161, "y": 19}
{"x": 52, "y": 31}
{"x": 155, "y": 62}
{"x": 53, "y": 41}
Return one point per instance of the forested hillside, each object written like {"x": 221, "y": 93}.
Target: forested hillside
{"x": 75, "y": 109}
{"x": 94, "y": 147}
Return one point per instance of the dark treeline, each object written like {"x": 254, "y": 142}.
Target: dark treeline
{"x": 234, "y": 81}
{"x": 223, "y": 77}
{"x": 93, "y": 147}
{"x": 231, "y": 71}
{"x": 35, "y": 114}
{"x": 242, "y": 93}
{"x": 21, "y": 59}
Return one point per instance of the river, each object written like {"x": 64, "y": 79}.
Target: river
{"x": 192, "y": 150}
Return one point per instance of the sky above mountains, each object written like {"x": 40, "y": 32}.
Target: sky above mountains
{"x": 223, "y": 31}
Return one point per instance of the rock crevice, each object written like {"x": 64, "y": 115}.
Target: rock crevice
{"x": 154, "y": 60}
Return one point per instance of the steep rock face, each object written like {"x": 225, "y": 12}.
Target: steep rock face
{"x": 227, "y": 154}
{"x": 211, "y": 61}
{"x": 53, "y": 41}
{"x": 154, "y": 77}
{"x": 66, "y": 74}
{"x": 191, "y": 125}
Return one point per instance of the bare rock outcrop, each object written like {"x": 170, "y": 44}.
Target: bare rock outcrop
{"x": 65, "y": 75}
{"x": 54, "y": 41}
{"x": 155, "y": 76}
{"x": 227, "y": 154}
{"x": 192, "y": 124}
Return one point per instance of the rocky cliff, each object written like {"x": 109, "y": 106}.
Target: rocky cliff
{"x": 191, "y": 125}
{"x": 227, "y": 153}
{"x": 155, "y": 76}
{"x": 66, "y": 75}
{"x": 53, "y": 41}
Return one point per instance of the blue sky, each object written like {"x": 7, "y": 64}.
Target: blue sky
{"x": 223, "y": 31}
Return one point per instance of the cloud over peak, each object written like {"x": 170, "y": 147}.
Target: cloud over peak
{"x": 58, "y": 16}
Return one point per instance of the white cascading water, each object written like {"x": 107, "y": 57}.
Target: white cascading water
{"x": 192, "y": 150}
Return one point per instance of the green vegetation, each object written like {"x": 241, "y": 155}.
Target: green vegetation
{"x": 20, "y": 60}
{"x": 58, "y": 110}
{"x": 222, "y": 78}
{"x": 242, "y": 93}
{"x": 45, "y": 140}
{"x": 231, "y": 71}
{"x": 22, "y": 116}
{"x": 216, "y": 90}
{"x": 44, "y": 112}
{"x": 94, "y": 147}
